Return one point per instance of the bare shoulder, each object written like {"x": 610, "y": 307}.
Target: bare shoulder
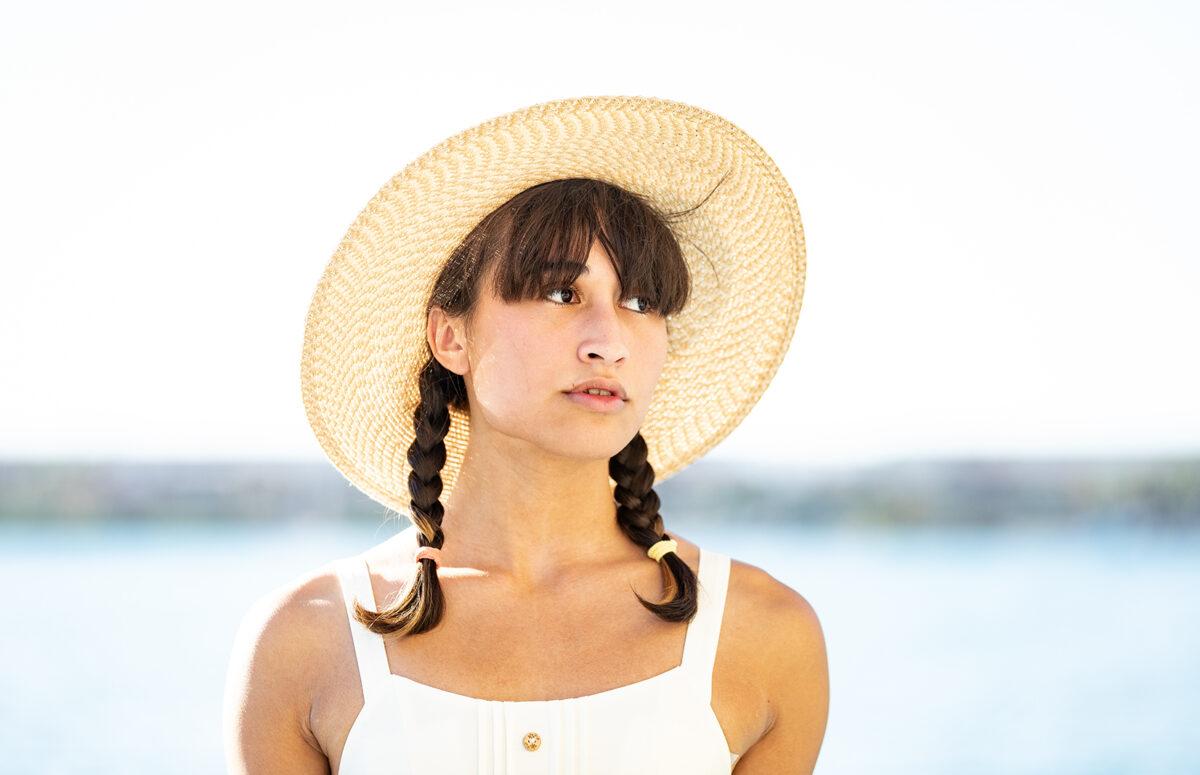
{"x": 788, "y": 662}
{"x": 284, "y": 643}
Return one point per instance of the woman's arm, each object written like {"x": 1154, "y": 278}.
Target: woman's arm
{"x": 796, "y": 670}
{"x": 265, "y": 718}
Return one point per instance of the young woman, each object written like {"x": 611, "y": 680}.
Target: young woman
{"x": 517, "y": 398}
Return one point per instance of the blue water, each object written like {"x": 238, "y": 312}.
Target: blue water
{"x": 962, "y": 652}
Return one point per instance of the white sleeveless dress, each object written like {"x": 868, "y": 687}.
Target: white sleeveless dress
{"x": 662, "y": 725}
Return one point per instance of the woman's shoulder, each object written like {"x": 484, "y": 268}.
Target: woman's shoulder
{"x": 297, "y": 621}
{"x": 764, "y": 598}
{"x": 286, "y": 651}
{"x": 771, "y": 612}
{"x": 769, "y": 598}
{"x": 771, "y": 619}
{"x": 781, "y": 638}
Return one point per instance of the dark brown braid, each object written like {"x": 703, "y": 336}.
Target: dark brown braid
{"x": 638, "y": 517}
{"x": 421, "y": 608}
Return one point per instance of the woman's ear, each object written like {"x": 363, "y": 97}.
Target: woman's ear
{"x": 447, "y": 340}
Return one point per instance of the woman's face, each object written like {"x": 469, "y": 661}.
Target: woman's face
{"x": 520, "y": 360}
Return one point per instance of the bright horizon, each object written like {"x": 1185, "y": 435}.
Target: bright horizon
{"x": 998, "y": 206}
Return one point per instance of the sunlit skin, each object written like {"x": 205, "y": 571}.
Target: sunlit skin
{"x": 535, "y": 567}
{"x": 532, "y": 500}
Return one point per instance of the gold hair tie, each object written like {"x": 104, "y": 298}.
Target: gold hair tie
{"x": 662, "y": 547}
{"x": 428, "y": 552}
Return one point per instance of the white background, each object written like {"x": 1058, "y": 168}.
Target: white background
{"x": 999, "y": 203}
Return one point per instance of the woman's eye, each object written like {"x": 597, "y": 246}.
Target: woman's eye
{"x": 640, "y": 309}
{"x": 644, "y": 310}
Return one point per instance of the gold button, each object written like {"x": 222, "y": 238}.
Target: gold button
{"x": 532, "y": 741}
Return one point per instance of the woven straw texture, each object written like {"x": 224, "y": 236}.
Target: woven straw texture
{"x": 364, "y": 336}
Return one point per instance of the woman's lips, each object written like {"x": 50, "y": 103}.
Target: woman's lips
{"x": 597, "y": 403}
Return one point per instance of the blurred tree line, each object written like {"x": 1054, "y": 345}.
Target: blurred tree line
{"x": 1162, "y": 492}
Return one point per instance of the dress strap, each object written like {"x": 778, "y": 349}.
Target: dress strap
{"x": 700, "y": 643}
{"x": 368, "y": 646}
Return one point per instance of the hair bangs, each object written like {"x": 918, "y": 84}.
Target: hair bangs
{"x": 546, "y": 233}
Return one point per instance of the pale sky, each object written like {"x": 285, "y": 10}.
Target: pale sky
{"x": 999, "y": 200}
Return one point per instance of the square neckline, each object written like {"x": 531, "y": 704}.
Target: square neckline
{"x": 687, "y": 634}
{"x": 469, "y": 698}
{"x": 387, "y": 677}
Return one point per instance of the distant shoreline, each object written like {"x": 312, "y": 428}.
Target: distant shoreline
{"x": 1158, "y": 492}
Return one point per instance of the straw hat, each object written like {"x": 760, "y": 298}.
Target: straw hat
{"x": 364, "y": 336}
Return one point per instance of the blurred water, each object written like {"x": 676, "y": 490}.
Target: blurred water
{"x": 949, "y": 652}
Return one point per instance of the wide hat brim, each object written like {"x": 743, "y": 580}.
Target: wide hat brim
{"x": 364, "y": 335}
